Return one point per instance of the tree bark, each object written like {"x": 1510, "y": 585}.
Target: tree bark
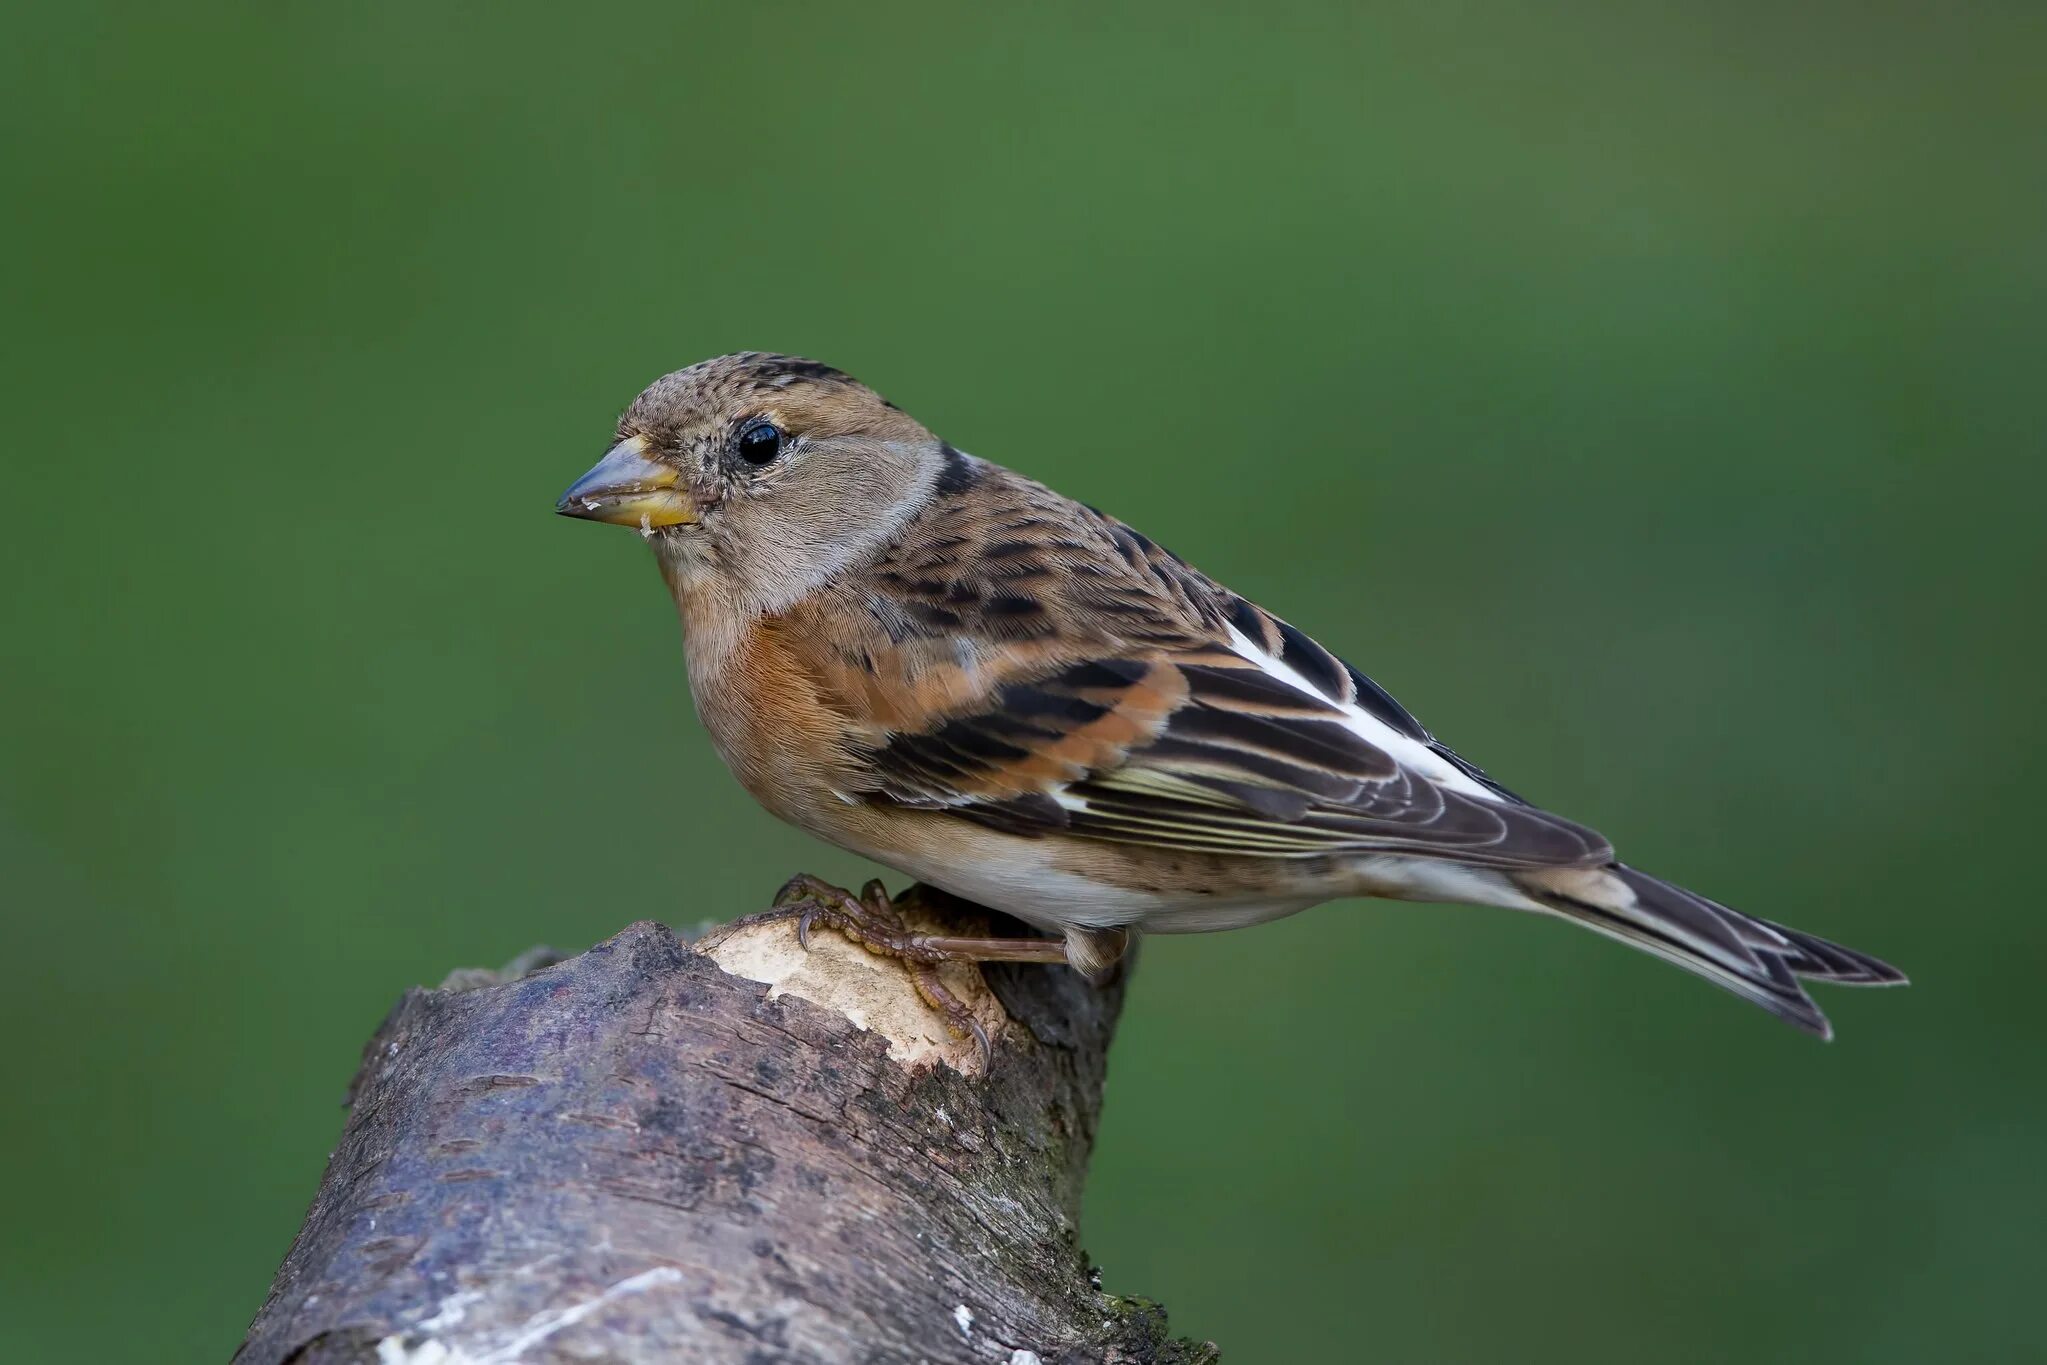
{"x": 723, "y": 1151}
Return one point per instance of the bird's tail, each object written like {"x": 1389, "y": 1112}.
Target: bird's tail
{"x": 1759, "y": 961}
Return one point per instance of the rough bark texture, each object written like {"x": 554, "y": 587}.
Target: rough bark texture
{"x": 636, "y": 1155}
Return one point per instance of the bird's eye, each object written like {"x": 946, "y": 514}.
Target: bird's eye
{"x": 759, "y": 442}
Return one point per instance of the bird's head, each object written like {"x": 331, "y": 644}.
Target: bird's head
{"x": 766, "y": 471}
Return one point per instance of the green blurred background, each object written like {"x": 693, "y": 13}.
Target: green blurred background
{"x": 1650, "y": 396}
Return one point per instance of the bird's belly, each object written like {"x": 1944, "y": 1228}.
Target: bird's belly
{"x": 1039, "y": 894}
{"x": 1061, "y": 883}
{"x": 1054, "y": 899}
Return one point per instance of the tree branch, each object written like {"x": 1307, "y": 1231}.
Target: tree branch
{"x": 641, "y": 1154}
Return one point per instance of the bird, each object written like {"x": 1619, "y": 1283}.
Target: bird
{"x": 946, "y": 667}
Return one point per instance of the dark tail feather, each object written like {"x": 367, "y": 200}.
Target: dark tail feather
{"x": 1759, "y": 961}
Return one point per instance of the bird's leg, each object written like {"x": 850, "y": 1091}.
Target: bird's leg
{"x": 871, "y": 921}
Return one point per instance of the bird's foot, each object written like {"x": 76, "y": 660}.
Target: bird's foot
{"x": 870, "y": 920}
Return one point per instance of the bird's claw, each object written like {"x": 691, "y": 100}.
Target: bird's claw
{"x": 870, "y": 920}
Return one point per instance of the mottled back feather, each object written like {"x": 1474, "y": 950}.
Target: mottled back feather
{"x": 1052, "y": 670}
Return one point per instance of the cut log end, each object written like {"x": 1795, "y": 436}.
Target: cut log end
{"x": 873, "y": 992}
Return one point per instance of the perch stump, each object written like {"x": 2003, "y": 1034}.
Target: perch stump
{"x": 727, "y": 1150}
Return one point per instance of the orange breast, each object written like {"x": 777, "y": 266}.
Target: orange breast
{"x": 767, "y": 716}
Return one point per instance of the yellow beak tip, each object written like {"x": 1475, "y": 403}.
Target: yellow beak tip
{"x": 626, "y": 488}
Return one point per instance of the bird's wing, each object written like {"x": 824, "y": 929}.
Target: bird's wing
{"x": 1031, "y": 664}
{"x": 1252, "y": 741}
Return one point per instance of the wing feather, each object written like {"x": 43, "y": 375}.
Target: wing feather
{"x": 1147, "y": 704}
{"x": 1243, "y": 751}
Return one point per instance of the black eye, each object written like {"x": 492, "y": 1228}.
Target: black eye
{"x": 759, "y": 442}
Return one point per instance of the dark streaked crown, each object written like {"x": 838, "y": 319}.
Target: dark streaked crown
{"x": 725, "y": 380}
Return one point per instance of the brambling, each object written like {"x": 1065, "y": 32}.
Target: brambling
{"x": 950, "y": 669}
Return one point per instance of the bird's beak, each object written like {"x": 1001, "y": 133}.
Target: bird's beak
{"x": 628, "y": 489}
